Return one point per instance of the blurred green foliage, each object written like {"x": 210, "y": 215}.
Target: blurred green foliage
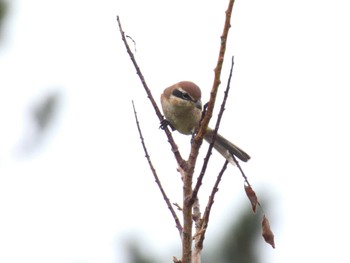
{"x": 136, "y": 255}
{"x": 238, "y": 245}
{"x": 3, "y": 9}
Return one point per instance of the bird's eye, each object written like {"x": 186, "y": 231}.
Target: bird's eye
{"x": 185, "y": 96}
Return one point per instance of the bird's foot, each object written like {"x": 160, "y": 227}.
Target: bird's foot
{"x": 164, "y": 123}
{"x": 204, "y": 110}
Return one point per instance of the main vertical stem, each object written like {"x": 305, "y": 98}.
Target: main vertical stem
{"x": 187, "y": 216}
{"x": 188, "y": 168}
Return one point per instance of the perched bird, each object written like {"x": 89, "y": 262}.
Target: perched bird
{"x": 182, "y": 108}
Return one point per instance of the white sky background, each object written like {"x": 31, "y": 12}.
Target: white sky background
{"x": 87, "y": 188}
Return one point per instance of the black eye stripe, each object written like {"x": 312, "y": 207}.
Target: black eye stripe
{"x": 181, "y": 95}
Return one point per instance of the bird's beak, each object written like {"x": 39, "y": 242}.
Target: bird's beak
{"x": 199, "y": 104}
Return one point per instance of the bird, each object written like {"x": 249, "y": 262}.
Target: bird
{"x": 182, "y": 109}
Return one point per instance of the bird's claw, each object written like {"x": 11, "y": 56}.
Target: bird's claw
{"x": 204, "y": 109}
{"x": 164, "y": 123}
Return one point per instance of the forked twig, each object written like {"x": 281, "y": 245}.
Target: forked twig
{"x": 172, "y": 211}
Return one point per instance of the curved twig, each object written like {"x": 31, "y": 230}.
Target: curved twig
{"x": 172, "y": 211}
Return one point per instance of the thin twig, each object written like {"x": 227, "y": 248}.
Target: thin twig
{"x": 217, "y": 125}
{"x": 174, "y": 147}
{"x": 247, "y": 184}
{"x": 241, "y": 170}
{"x": 198, "y": 139}
{"x": 172, "y": 211}
{"x": 133, "y": 41}
{"x": 205, "y": 219}
{"x": 217, "y": 73}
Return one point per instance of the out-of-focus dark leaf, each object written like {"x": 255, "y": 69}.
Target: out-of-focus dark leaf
{"x": 41, "y": 118}
{"x": 239, "y": 243}
{"x": 44, "y": 112}
{"x": 136, "y": 255}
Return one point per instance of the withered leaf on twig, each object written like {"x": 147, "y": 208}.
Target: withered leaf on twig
{"x": 251, "y": 196}
{"x": 267, "y": 233}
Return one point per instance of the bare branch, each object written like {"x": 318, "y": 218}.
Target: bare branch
{"x": 197, "y": 142}
{"x": 217, "y": 125}
{"x": 217, "y": 72}
{"x": 172, "y": 211}
{"x": 174, "y": 147}
{"x": 205, "y": 220}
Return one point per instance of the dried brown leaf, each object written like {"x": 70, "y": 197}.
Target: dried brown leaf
{"x": 267, "y": 233}
{"x": 251, "y": 196}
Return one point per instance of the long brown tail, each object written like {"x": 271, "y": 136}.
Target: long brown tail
{"x": 226, "y": 148}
